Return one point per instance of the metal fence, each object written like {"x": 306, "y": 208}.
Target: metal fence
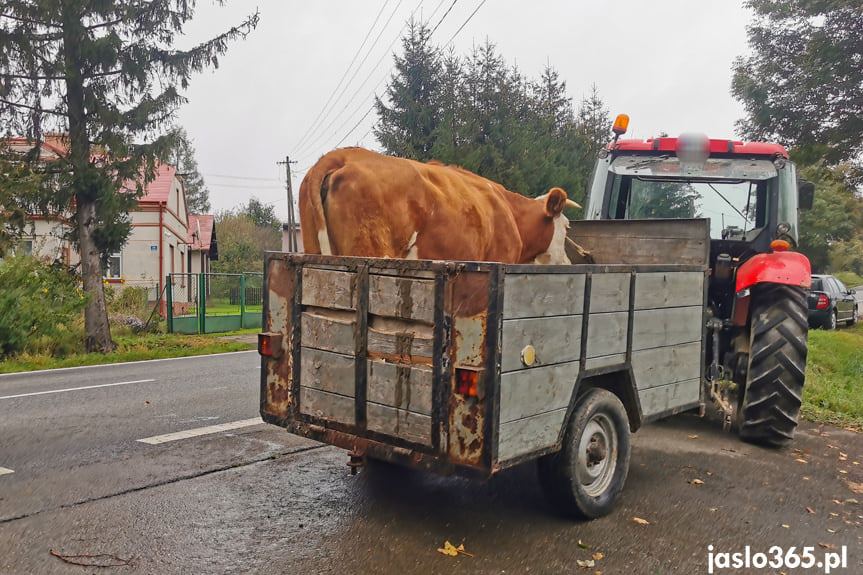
{"x": 213, "y": 303}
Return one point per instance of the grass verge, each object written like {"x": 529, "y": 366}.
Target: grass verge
{"x": 833, "y": 392}
{"x": 134, "y": 347}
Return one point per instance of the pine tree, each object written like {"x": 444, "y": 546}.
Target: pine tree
{"x": 105, "y": 74}
{"x": 183, "y": 160}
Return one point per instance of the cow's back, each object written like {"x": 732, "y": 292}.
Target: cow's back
{"x": 381, "y": 206}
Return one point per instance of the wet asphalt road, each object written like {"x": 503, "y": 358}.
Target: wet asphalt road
{"x": 256, "y": 500}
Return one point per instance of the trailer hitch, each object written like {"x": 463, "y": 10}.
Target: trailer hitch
{"x": 719, "y": 387}
{"x": 357, "y": 459}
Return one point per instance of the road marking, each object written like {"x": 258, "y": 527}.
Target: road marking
{"x": 44, "y": 371}
{"x": 4, "y": 471}
{"x": 157, "y": 439}
{"x": 76, "y": 388}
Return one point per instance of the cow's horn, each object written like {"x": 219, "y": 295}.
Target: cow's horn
{"x": 572, "y": 204}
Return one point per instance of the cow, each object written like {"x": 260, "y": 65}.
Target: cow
{"x": 355, "y": 202}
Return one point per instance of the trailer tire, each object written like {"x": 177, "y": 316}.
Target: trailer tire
{"x": 779, "y": 331}
{"x": 586, "y": 476}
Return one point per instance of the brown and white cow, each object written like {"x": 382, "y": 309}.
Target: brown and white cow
{"x": 355, "y": 202}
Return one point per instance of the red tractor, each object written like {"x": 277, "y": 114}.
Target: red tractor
{"x": 757, "y": 332}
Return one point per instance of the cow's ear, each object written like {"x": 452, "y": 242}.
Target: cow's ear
{"x": 555, "y": 201}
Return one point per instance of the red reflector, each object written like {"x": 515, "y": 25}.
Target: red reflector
{"x": 466, "y": 382}
{"x": 270, "y": 344}
{"x": 823, "y": 302}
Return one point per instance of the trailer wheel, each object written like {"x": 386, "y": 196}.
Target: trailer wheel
{"x": 777, "y": 365}
{"x": 586, "y": 477}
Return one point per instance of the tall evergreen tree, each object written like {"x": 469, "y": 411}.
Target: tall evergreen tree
{"x": 408, "y": 125}
{"x": 106, "y": 74}
{"x": 184, "y": 161}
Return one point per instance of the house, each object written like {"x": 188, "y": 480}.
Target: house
{"x": 164, "y": 238}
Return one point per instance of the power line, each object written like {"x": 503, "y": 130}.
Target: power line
{"x": 300, "y": 146}
{"x": 241, "y": 177}
{"x": 353, "y": 97}
{"x": 448, "y": 10}
{"x": 342, "y": 79}
{"x": 466, "y": 21}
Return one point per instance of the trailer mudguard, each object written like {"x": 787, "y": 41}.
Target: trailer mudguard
{"x": 789, "y": 268}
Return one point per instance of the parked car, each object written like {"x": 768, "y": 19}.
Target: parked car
{"x": 831, "y": 302}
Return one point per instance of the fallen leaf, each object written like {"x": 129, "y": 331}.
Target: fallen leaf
{"x": 831, "y": 531}
{"x": 854, "y": 501}
{"x": 798, "y": 460}
{"x": 448, "y": 549}
{"x": 837, "y": 502}
{"x": 583, "y": 545}
{"x": 843, "y": 456}
{"x": 810, "y": 510}
{"x": 586, "y": 563}
{"x": 834, "y": 514}
{"x": 843, "y": 471}
{"x": 829, "y": 546}
{"x": 461, "y": 550}
{"x": 693, "y": 436}
{"x": 696, "y": 481}
{"x": 597, "y": 556}
{"x": 641, "y": 521}
{"x": 856, "y": 487}
{"x": 786, "y": 526}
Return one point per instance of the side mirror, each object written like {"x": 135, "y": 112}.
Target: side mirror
{"x": 805, "y": 194}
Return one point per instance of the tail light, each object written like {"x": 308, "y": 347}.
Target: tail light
{"x": 270, "y": 344}
{"x": 823, "y": 302}
{"x": 466, "y": 382}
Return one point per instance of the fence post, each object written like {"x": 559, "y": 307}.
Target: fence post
{"x": 169, "y": 295}
{"x": 202, "y": 305}
{"x": 243, "y": 301}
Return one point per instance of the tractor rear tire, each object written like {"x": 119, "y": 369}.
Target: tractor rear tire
{"x": 585, "y": 478}
{"x": 777, "y": 365}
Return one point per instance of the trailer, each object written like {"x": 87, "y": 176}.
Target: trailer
{"x": 473, "y": 367}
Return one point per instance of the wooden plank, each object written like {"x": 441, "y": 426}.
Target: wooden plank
{"x": 524, "y": 436}
{"x": 554, "y": 340}
{"x": 666, "y": 326}
{"x": 399, "y": 423}
{"x": 668, "y": 289}
{"x": 402, "y": 343}
{"x": 402, "y": 297}
{"x": 644, "y": 241}
{"x": 665, "y": 397}
{"x": 542, "y": 295}
{"x": 329, "y": 330}
{"x": 324, "y": 405}
{"x": 605, "y": 361}
{"x": 402, "y": 386}
{"x": 606, "y": 333}
{"x": 664, "y": 365}
{"x": 329, "y": 289}
{"x": 327, "y": 371}
{"x": 529, "y": 392}
{"x": 609, "y": 292}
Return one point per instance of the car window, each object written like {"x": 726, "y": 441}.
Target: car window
{"x": 817, "y": 285}
{"x": 830, "y": 285}
{"x": 840, "y": 286}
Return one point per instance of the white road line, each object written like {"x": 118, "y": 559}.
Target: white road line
{"x": 44, "y": 371}
{"x": 75, "y": 388}
{"x": 157, "y": 439}
{"x": 4, "y": 471}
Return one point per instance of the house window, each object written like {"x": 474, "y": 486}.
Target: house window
{"x": 114, "y": 268}
{"x": 28, "y": 247}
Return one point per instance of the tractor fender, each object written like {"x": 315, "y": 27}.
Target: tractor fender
{"x": 788, "y": 268}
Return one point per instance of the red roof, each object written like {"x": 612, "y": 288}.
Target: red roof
{"x": 159, "y": 190}
{"x": 204, "y": 224}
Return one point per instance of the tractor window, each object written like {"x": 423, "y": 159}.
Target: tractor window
{"x": 737, "y": 209}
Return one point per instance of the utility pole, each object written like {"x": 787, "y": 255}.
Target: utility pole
{"x": 292, "y": 221}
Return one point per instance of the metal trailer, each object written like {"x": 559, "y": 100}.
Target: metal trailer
{"x": 473, "y": 367}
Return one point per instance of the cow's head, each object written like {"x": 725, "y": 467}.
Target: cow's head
{"x": 553, "y": 203}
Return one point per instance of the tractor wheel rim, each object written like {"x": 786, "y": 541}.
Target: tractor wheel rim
{"x": 597, "y": 455}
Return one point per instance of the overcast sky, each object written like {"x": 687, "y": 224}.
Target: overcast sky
{"x": 666, "y": 63}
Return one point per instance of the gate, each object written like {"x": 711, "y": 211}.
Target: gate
{"x": 213, "y": 303}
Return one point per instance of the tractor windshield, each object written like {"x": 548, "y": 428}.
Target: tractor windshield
{"x": 732, "y": 193}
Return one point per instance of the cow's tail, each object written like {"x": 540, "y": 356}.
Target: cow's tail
{"x": 312, "y": 200}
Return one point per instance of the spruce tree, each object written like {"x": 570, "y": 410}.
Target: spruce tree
{"x": 105, "y": 74}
